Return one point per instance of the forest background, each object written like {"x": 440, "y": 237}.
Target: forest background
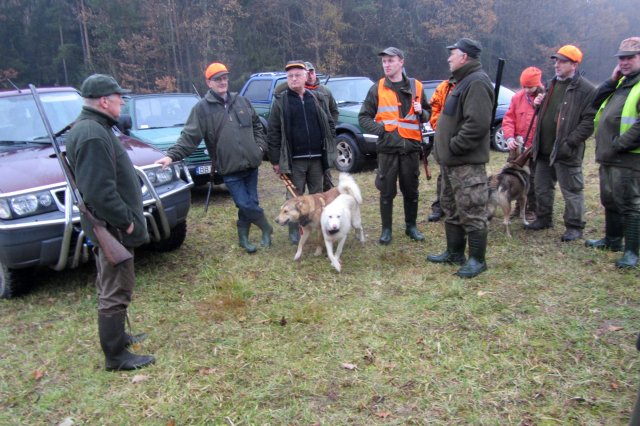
{"x": 164, "y": 45}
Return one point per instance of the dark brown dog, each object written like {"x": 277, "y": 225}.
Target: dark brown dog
{"x": 512, "y": 183}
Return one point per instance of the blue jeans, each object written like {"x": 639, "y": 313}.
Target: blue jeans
{"x": 243, "y": 187}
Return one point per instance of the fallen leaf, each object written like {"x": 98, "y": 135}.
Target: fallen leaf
{"x": 139, "y": 378}
{"x": 614, "y": 385}
{"x": 348, "y": 366}
{"x": 614, "y": 328}
{"x": 171, "y": 423}
{"x": 38, "y": 374}
{"x": 383, "y": 414}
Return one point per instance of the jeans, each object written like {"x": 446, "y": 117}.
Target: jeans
{"x": 243, "y": 187}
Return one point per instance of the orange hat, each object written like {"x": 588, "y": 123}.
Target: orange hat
{"x": 569, "y": 53}
{"x": 216, "y": 69}
{"x": 531, "y": 77}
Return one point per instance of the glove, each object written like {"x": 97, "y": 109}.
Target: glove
{"x": 520, "y": 140}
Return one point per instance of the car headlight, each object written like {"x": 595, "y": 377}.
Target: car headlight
{"x": 159, "y": 176}
{"x": 26, "y": 205}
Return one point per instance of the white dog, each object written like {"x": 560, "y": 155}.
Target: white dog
{"x": 339, "y": 217}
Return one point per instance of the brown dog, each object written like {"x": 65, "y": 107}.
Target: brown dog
{"x": 306, "y": 211}
{"x": 512, "y": 183}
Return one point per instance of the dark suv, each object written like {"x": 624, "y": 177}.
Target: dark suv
{"x": 39, "y": 225}
{"x": 158, "y": 119}
{"x": 353, "y": 145}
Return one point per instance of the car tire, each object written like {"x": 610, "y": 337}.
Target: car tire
{"x": 175, "y": 240}
{"x": 13, "y": 281}
{"x": 349, "y": 159}
{"x": 498, "y": 142}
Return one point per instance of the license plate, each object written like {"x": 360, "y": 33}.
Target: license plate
{"x": 203, "y": 170}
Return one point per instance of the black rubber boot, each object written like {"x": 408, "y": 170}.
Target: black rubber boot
{"x": 243, "y": 239}
{"x": 294, "y": 233}
{"x": 266, "y": 229}
{"x": 613, "y": 232}
{"x": 410, "y": 217}
{"x": 113, "y": 340}
{"x": 631, "y": 242}
{"x": 456, "y": 242}
{"x": 476, "y": 264}
{"x": 386, "y": 214}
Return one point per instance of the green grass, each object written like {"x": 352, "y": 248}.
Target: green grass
{"x": 544, "y": 337}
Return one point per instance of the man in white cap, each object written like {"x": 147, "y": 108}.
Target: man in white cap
{"x": 618, "y": 153}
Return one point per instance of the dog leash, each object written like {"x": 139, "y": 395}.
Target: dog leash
{"x": 290, "y": 186}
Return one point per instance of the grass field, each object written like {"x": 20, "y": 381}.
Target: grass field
{"x": 544, "y": 337}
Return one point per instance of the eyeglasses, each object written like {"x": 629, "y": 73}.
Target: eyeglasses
{"x": 221, "y": 78}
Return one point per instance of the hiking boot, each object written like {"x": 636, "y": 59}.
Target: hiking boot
{"x": 571, "y": 234}
{"x": 538, "y": 224}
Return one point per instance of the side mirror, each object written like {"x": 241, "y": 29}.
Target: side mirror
{"x": 124, "y": 124}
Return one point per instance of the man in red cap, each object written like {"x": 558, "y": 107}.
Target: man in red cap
{"x": 618, "y": 152}
{"x": 565, "y": 121}
{"x": 235, "y": 141}
{"x": 519, "y": 126}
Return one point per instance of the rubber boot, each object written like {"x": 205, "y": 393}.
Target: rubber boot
{"x": 267, "y": 230}
{"x": 130, "y": 340}
{"x": 386, "y": 214}
{"x": 631, "y": 242}
{"x": 243, "y": 239}
{"x": 613, "y": 232}
{"x": 410, "y": 217}
{"x": 456, "y": 242}
{"x": 113, "y": 340}
{"x": 294, "y": 233}
{"x": 477, "y": 249}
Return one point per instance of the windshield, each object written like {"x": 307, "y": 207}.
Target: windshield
{"x": 350, "y": 89}
{"x": 162, "y": 111}
{"x": 20, "y": 121}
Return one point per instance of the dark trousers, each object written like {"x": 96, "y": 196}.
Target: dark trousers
{"x": 464, "y": 196}
{"x": 114, "y": 284}
{"x": 243, "y": 187}
{"x": 620, "y": 190}
{"x": 398, "y": 168}
{"x": 307, "y": 173}
{"x": 571, "y": 184}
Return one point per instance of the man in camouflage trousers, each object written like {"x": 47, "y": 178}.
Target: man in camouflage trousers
{"x": 462, "y": 150}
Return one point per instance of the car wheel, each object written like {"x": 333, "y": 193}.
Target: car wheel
{"x": 13, "y": 281}
{"x": 498, "y": 142}
{"x": 349, "y": 158}
{"x": 175, "y": 240}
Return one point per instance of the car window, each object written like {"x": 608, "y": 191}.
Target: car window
{"x": 20, "y": 120}
{"x": 349, "y": 90}
{"x": 162, "y": 111}
{"x": 258, "y": 90}
{"x": 505, "y": 95}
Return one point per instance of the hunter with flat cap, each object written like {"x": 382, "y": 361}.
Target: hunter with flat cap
{"x": 618, "y": 153}
{"x": 393, "y": 110}
{"x": 301, "y": 135}
{"x": 462, "y": 150}
{"x": 111, "y": 190}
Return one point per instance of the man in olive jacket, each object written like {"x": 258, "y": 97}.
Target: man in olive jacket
{"x": 235, "y": 141}
{"x": 301, "y": 135}
{"x": 565, "y": 121}
{"x": 462, "y": 150}
{"x": 618, "y": 153}
{"x": 111, "y": 190}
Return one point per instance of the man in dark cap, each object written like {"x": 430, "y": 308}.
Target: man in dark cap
{"x": 618, "y": 151}
{"x": 462, "y": 150}
{"x": 234, "y": 137}
{"x": 313, "y": 83}
{"x": 393, "y": 110}
{"x": 301, "y": 135}
{"x": 565, "y": 121}
{"x": 111, "y": 190}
